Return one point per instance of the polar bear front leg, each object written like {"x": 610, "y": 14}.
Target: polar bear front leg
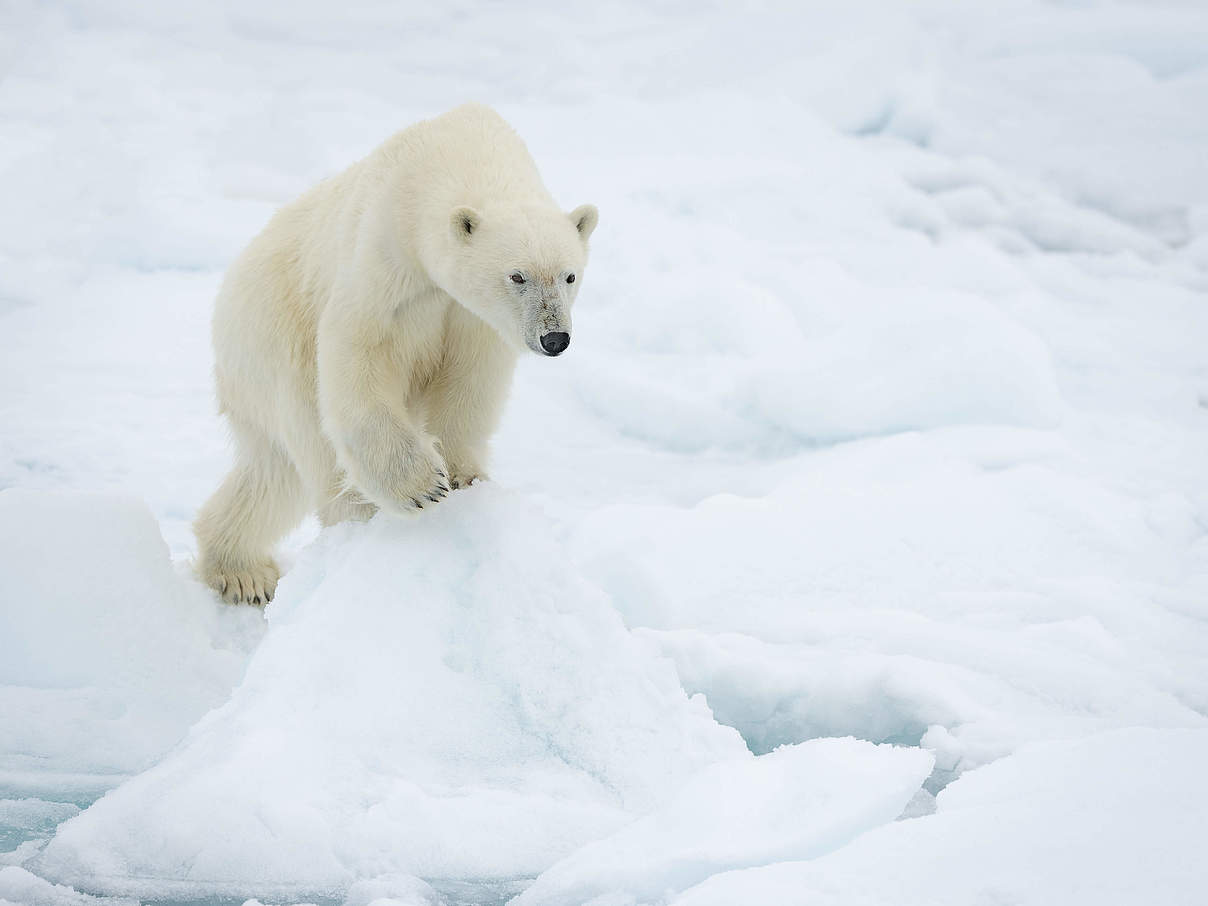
{"x": 390, "y": 460}
{"x": 466, "y": 398}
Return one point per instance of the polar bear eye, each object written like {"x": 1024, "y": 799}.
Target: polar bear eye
{"x": 570, "y": 279}
{"x": 517, "y": 278}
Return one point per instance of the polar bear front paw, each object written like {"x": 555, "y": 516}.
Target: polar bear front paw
{"x": 254, "y": 584}
{"x": 404, "y": 482}
{"x": 432, "y": 489}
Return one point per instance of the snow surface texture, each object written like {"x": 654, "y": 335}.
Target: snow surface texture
{"x": 880, "y": 449}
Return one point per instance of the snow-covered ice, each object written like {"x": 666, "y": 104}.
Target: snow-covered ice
{"x": 1114, "y": 819}
{"x": 796, "y": 803}
{"x": 874, "y": 485}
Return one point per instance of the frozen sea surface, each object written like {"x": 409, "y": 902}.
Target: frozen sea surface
{"x": 857, "y": 551}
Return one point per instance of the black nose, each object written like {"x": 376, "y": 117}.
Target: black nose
{"x": 555, "y": 343}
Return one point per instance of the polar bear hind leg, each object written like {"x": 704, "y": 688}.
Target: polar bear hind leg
{"x": 261, "y": 499}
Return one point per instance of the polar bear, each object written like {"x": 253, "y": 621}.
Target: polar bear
{"x": 365, "y": 340}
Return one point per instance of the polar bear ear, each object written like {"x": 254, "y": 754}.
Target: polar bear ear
{"x": 585, "y": 217}
{"x": 464, "y": 222}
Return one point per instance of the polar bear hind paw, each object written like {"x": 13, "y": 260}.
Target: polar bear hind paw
{"x": 255, "y": 584}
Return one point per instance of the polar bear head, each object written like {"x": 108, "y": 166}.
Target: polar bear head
{"x": 520, "y": 268}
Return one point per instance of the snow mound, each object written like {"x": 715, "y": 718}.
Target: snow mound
{"x": 795, "y": 803}
{"x": 107, "y": 654}
{"x": 441, "y": 697}
{"x": 1117, "y": 818}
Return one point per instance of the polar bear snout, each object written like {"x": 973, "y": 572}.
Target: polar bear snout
{"x": 555, "y": 342}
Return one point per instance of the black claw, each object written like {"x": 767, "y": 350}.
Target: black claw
{"x": 417, "y": 503}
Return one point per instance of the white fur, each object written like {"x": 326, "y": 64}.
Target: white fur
{"x": 365, "y": 340}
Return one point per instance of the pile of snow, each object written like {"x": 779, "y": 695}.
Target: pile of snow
{"x": 441, "y": 697}
{"x": 107, "y": 653}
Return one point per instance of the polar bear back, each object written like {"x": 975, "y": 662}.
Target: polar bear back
{"x": 392, "y": 206}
